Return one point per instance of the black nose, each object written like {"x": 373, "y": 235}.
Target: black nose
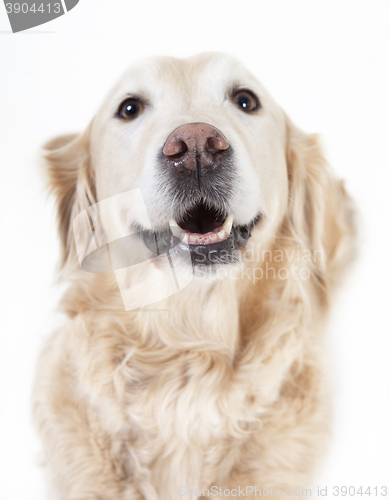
{"x": 194, "y": 146}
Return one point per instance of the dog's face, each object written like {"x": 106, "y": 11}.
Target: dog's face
{"x": 216, "y": 162}
{"x": 204, "y": 142}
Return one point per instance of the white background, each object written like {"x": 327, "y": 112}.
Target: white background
{"x": 325, "y": 62}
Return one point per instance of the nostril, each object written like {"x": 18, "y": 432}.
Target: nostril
{"x": 211, "y": 147}
{"x": 215, "y": 144}
{"x": 175, "y": 148}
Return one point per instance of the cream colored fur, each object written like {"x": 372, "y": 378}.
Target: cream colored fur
{"x": 224, "y": 385}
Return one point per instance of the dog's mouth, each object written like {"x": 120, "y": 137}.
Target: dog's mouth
{"x": 210, "y": 236}
{"x": 202, "y": 225}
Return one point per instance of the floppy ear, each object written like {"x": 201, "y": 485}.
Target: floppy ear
{"x": 320, "y": 212}
{"x": 71, "y": 180}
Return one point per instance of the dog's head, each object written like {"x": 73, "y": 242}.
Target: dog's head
{"x": 215, "y": 158}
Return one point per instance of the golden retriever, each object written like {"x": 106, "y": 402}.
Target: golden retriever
{"x": 215, "y": 387}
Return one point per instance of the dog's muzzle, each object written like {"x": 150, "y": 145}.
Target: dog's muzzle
{"x": 197, "y": 169}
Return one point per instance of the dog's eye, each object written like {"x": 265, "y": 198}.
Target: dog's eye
{"x": 130, "y": 109}
{"x": 246, "y": 101}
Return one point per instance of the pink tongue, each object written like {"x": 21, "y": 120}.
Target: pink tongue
{"x": 204, "y": 239}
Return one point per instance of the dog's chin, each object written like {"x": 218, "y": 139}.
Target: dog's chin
{"x": 210, "y": 238}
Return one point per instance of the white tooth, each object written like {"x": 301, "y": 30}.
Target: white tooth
{"x": 221, "y": 234}
{"x": 176, "y": 229}
{"x": 193, "y": 238}
{"x": 228, "y": 224}
{"x": 185, "y": 238}
{"x": 173, "y": 223}
{"x": 212, "y": 237}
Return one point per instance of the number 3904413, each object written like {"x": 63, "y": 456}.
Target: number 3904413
{"x": 23, "y": 8}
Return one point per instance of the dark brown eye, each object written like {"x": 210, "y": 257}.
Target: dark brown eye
{"x": 130, "y": 109}
{"x": 246, "y": 101}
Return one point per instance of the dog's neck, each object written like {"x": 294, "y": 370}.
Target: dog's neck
{"x": 221, "y": 316}
{"x": 202, "y": 316}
